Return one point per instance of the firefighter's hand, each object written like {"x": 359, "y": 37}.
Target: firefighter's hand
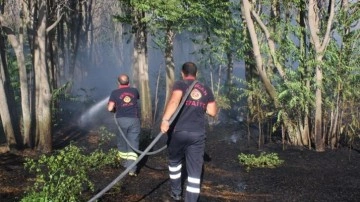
{"x": 164, "y": 126}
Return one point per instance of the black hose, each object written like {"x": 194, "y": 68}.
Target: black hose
{"x": 109, "y": 186}
{"x": 132, "y": 147}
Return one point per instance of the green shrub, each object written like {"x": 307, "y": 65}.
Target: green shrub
{"x": 263, "y": 161}
{"x": 64, "y": 175}
{"x": 105, "y": 136}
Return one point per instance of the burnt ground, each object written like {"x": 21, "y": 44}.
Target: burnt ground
{"x": 333, "y": 175}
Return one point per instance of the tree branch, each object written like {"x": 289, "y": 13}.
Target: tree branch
{"x": 271, "y": 43}
{"x": 54, "y": 24}
{"x": 328, "y": 27}
{"x": 313, "y": 25}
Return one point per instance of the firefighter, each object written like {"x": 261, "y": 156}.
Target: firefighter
{"x": 186, "y": 138}
{"x": 124, "y": 102}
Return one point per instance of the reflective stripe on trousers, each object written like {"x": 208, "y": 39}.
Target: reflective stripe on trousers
{"x": 191, "y": 146}
{"x": 128, "y": 155}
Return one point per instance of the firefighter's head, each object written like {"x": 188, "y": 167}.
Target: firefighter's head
{"x": 123, "y": 79}
{"x": 189, "y": 69}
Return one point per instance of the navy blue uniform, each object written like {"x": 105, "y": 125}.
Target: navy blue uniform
{"x": 125, "y": 99}
{"x": 188, "y": 139}
{"x": 127, "y": 114}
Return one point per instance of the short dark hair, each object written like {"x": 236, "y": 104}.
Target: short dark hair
{"x": 189, "y": 69}
{"x": 123, "y": 79}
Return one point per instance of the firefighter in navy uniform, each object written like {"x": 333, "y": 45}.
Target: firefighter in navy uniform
{"x": 124, "y": 102}
{"x": 186, "y": 140}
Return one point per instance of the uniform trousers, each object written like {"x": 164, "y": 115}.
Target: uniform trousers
{"x": 131, "y": 129}
{"x": 188, "y": 146}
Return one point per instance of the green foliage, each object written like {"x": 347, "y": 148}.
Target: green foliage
{"x": 222, "y": 102}
{"x": 219, "y": 33}
{"x": 220, "y": 39}
{"x": 264, "y": 160}
{"x": 294, "y": 96}
{"x": 105, "y": 136}
{"x": 14, "y": 76}
{"x": 342, "y": 72}
{"x": 259, "y": 102}
{"x": 57, "y": 95}
{"x": 64, "y": 175}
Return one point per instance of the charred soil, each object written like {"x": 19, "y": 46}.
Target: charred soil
{"x": 305, "y": 175}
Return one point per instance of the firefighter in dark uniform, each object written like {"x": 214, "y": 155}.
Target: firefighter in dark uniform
{"x": 124, "y": 102}
{"x": 186, "y": 140}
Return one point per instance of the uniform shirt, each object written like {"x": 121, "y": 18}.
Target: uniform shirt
{"x": 192, "y": 116}
{"x": 126, "y": 101}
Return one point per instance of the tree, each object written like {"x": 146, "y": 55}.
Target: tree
{"x": 4, "y": 110}
{"x": 289, "y": 83}
{"x": 140, "y": 66}
{"x": 42, "y": 84}
{"x": 319, "y": 47}
{"x": 8, "y": 111}
{"x": 38, "y": 30}
{"x": 17, "y": 45}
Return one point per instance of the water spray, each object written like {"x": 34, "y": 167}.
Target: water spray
{"x": 146, "y": 151}
{"x": 93, "y": 110}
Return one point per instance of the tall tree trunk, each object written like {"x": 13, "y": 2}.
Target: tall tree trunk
{"x": 250, "y": 67}
{"x": 305, "y": 130}
{"x": 43, "y": 92}
{"x": 9, "y": 114}
{"x": 319, "y": 47}
{"x": 169, "y": 61}
{"x": 246, "y": 10}
{"x": 76, "y": 24}
{"x": 25, "y": 104}
{"x": 4, "y": 110}
{"x": 140, "y": 65}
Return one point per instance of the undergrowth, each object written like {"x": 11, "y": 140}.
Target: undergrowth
{"x": 264, "y": 160}
{"x": 64, "y": 175}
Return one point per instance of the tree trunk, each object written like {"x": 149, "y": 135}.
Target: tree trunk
{"x": 8, "y": 115}
{"x": 246, "y": 10}
{"x": 169, "y": 61}
{"x": 250, "y": 68}
{"x": 4, "y": 111}
{"x": 305, "y": 130}
{"x": 319, "y": 138}
{"x": 74, "y": 39}
{"x": 25, "y": 104}
{"x": 319, "y": 47}
{"x": 43, "y": 93}
{"x": 140, "y": 65}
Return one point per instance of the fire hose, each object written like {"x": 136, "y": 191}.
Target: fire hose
{"x": 132, "y": 147}
{"x": 148, "y": 148}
